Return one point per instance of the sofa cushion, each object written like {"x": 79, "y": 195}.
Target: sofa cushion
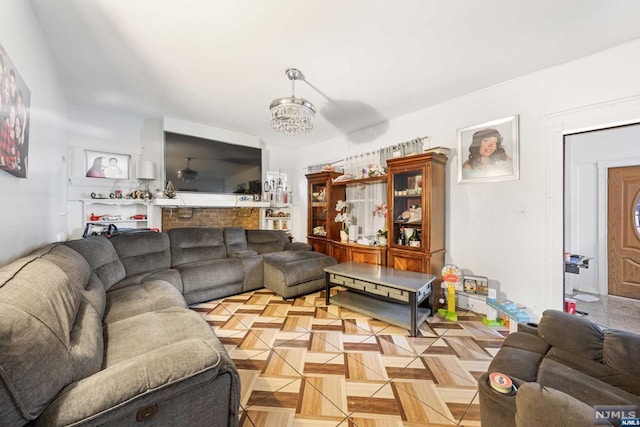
{"x": 71, "y": 262}
{"x": 235, "y": 239}
{"x": 582, "y": 386}
{"x": 137, "y": 335}
{"x": 617, "y": 378}
{"x": 142, "y": 298}
{"x": 618, "y": 345}
{"x": 572, "y": 333}
{"x": 203, "y": 275}
{"x": 543, "y": 406}
{"x": 50, "y": 336}
{"x": 78, "y": 270}
{"x": 102, "y": 258}
{"x": 266, "y": 241}
{"x": 170, "y": 275}
{"x": 192, "y": 244}
{"x": 142, "y": 252}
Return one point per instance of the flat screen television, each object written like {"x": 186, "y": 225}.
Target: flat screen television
{"x": 221, "y": 167}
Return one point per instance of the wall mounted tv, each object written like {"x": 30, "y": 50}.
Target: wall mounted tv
{"x": 221, "y": 167}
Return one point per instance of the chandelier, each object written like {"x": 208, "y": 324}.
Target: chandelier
{"x": 187, "y": 174}
{"x": 291, "y": 115}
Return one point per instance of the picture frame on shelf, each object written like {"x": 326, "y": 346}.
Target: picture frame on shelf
{"x": 475, "y": 284}
{"x": 489, "y": 152}
{"x": 100, "y": 164}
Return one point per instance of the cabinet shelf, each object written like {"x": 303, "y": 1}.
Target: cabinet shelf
{"x": 408, "y": 196}
{"x": 360, "y": 181}
{"x": 277, "y": 217}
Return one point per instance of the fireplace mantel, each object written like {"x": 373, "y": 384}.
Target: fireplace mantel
{"x": 210, "y": 200}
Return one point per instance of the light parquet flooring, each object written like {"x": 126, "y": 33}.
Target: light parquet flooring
{"x": 302, "y": 364}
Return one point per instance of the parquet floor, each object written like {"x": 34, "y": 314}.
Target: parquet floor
{"x": 303, "y": 363}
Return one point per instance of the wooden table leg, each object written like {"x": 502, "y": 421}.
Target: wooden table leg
{"x": 414, "y": 313}
{"x": 328, "y": 291}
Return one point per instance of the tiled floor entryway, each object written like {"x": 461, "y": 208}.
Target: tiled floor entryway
{"x": 611, "y": 311}
{"x": 305, "y": 364}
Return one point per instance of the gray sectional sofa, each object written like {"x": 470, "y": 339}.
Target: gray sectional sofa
{"x": 97, "y": 331}
{"x": 562, "y": 368}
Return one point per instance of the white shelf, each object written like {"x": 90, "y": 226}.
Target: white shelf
{"x": 124, "y": 208}
{"x": 114, "y": 201}
{"x": 116, "y": 221}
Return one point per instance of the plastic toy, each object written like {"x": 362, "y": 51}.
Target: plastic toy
{"x": 451, "y": 277}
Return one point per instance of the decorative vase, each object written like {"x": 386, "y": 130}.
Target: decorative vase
{"x": 382, "y": 240}
{"x": 344, "y": 236}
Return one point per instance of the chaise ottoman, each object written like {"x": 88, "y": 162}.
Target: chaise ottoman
{"x": 293, "y": 273}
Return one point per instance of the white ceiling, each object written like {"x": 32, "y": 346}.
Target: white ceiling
{"x": 221, "y": 62}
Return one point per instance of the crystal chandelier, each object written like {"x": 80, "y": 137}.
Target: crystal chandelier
{"x": 291, "y": 115}
{"x": 187, "y": 174}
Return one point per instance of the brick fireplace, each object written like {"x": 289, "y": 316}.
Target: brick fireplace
{"x": 249, "y": 218}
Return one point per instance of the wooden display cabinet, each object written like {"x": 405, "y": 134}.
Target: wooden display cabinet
{"x": 321, "y": 201}
{"x": 416, "y": 197}
{"x": 348, "y": 251}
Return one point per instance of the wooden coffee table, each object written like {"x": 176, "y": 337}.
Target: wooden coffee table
{"x": 383, "y": 293}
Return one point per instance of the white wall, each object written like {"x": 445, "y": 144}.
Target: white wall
{"x": 585, "y": 150}
{"x": 96, "y": 129}
{"x": 34, "y": 209}
{"x": 502, "y": 229}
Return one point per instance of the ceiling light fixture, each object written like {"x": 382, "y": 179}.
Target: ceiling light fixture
{"x": 291, "y": 115}
{"x": 187, "y": 174}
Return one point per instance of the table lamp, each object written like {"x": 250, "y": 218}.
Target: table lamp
{"x": 146, "y": 173}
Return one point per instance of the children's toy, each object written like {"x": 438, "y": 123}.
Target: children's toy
{"x": 451, "y": 277}
{"x": 512, "y": 314}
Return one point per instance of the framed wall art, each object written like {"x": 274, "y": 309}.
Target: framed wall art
{"x": 99, "y": 164}
{"x": 15, "y": 100}
{"x": 489, "y": 151}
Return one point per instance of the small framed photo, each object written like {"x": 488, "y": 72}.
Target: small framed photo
{"x": 489, "y": 151}
{"x": 99, "y": 164}
{"x": 476, "y": 285}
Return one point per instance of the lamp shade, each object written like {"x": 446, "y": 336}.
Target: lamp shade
{"x": 146, "y": 170}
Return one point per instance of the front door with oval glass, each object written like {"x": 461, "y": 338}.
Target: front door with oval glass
{"x": 624, "y": 231}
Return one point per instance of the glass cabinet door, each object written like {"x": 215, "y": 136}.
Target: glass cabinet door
{"x": 406, "y": 227}
{"x": 318, "y": 206}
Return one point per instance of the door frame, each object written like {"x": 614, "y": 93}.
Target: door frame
{"x": 602, "y": 115}
{"x": 603, "y": 219}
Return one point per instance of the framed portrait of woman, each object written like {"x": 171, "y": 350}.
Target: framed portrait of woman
{"x": 106, "y": 165}
{"x": 489, "y": 151}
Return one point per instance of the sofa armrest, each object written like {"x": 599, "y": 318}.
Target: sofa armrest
{"x": 537, "y": 405}
{"x": 297, "y": 246}
{"x": 243, "y": 254}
